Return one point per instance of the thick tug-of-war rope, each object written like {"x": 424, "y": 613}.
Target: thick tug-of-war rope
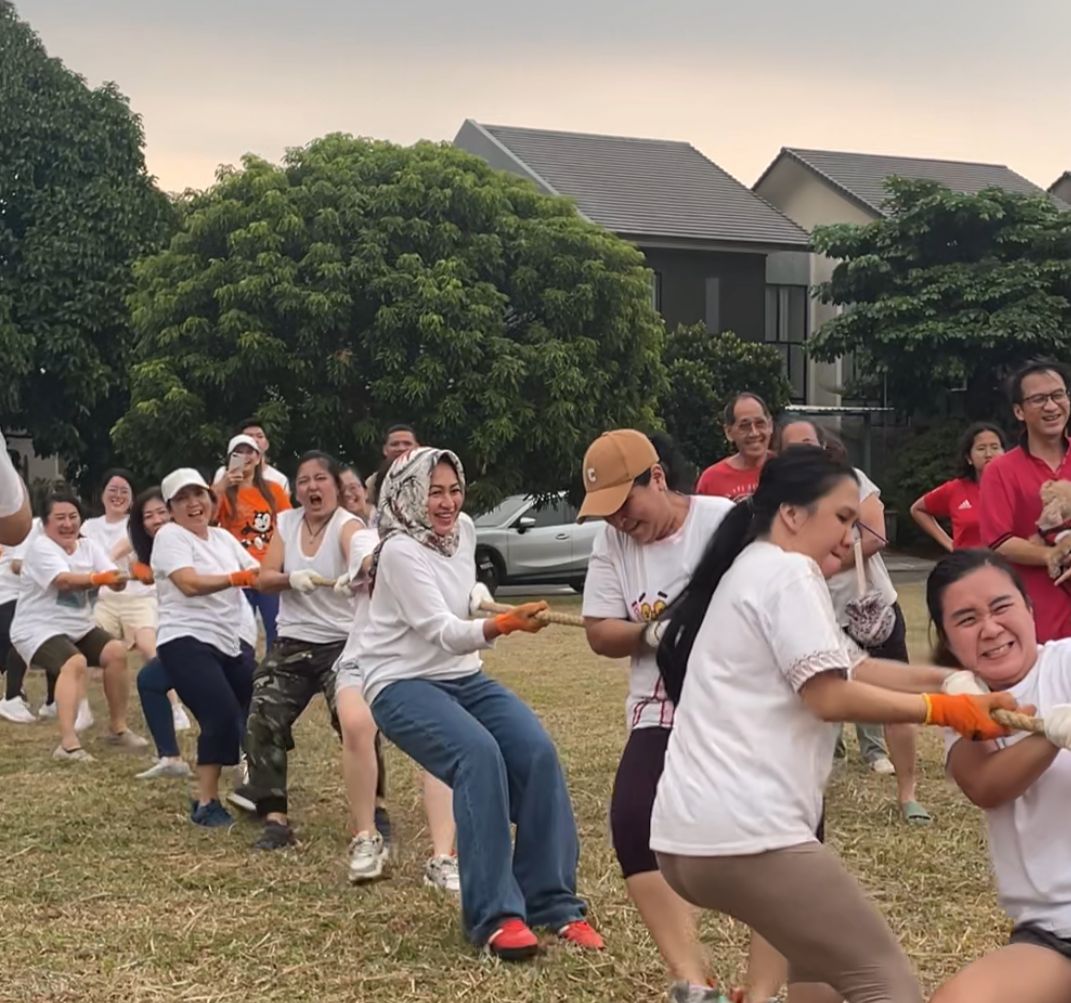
{"x": 550, "y": 616}
{"x": 1019, "y": 722}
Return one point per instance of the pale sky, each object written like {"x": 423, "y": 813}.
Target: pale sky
{"x": 958, "y": 79}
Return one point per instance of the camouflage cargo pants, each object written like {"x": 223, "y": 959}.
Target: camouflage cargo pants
{"x": 292, "y": 673}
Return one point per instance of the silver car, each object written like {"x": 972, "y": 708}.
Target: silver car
{"x": 521, "y": 543}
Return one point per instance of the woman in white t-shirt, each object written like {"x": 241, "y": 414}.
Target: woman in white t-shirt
{"x": 204, "y": 639}
{"x": 653, "y": 537}
{"x": 985, "y": 625}
{"x": 759, "y": 669}
{"x": 311, "y": 544}
{"x": 843, "y": 588}
{"x": 53, "y": 625}
{"x": 422, "y": 676}
{"x": 15, "y": 707}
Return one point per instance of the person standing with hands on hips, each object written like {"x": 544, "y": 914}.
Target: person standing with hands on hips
{"x": 249, "y": 507}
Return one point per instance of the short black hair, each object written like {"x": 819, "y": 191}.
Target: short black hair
{"x": 248, "y": 423}
{"x": 728, "y": 416}
{"x": 1032, "y": 368}
{"x": 61, "y": 497}
{"x": 401, "y": 427}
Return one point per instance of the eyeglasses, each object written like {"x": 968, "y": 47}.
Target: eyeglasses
{"x": 758, "y": 425}
{"x": 1040, "y": 400}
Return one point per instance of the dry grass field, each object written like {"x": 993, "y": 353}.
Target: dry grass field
{"x": 108, "y": 893}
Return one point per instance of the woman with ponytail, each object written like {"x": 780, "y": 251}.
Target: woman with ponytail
{"x": 760, "y": 672}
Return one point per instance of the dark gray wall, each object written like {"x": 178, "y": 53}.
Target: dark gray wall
{"x": 742, "y": 288}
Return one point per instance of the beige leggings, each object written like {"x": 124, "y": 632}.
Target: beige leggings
{"x": 803, "y": 901}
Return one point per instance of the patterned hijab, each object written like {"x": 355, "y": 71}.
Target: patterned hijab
{"x": 403, "y": 501}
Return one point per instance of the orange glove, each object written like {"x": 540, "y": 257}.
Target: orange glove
{"x": 969, "y": 714}
{"x": 142, "y": 572}
{"x": 99, "y": 578}
{"x": 244, "y": 579}
{"x": 522, "y": 617}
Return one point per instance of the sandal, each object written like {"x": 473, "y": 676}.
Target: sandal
{"x": 915, "y": 814}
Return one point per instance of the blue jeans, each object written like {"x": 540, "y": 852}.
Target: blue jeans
{"x": 267, "y": 605}
{"x": 153, "y": 683}
{"x": 488, "y": 746}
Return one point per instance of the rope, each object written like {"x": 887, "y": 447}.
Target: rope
{"x": 324, "y": 583}
{"x": 1020, "y": 722}
{"x": 549, "y": 616}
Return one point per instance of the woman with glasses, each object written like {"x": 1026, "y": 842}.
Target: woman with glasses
{"x": 748, "y": 426}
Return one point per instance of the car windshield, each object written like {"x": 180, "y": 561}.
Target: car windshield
{"x": 502, "y": 512}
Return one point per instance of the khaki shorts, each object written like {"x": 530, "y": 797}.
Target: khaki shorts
{"x": 123, "y": 616}
{"x": 58, "y": 650}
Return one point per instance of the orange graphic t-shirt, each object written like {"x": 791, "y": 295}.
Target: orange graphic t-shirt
{"x": 252, "y": 523}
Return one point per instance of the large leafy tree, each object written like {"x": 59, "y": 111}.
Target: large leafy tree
{"x": 948, "y": 291}
{"x": 361, "y": 283}
{"x": 704, "y": 372}
{"x": 76, "y": 208}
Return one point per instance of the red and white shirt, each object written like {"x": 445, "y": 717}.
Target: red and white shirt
{"x": 958, "y": 501}
{"x": 725, "y": 480}
{"x": 1011, "y": 506}
{"x": 631, "y": 581}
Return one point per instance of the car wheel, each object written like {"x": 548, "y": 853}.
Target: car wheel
{"x": 489, "y": 569}
{"x": 577, "y": 585}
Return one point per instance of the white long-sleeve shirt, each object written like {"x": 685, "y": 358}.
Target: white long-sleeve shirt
{"x": 418, "y": 625}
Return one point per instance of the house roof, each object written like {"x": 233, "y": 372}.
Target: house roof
{"x": 647, "y": 188}
{"x": 861, "y": 176}
{"x": 1066, "y": 176}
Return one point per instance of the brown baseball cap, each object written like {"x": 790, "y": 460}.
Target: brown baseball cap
{"x": 613, "y": 461}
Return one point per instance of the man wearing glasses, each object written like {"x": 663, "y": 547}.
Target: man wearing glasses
{"x": 1011, "y": 490}
{"x": 748, "y": 427}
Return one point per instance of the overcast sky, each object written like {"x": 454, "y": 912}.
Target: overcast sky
{"x": 980, "y": 80}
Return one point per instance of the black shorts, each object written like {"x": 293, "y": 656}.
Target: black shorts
{"x": 632, "y": 801}
{"x": 1028, "y": 933}
{"x": 57, "y": 651}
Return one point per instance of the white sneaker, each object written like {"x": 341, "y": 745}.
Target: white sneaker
{"x": 76, "y": 756}
{"x": 180, "y": 717}
{"x": 84, "y": 720}
{"x": 883, "y": 765}
{"x": 47, "y": 711}
{"x": 166, "y": 769}
{"x": 367, "y": 856}
{"x": 16, "y": 711}
{"x": 442, "y": 873}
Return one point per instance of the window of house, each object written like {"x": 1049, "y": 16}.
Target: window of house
{"x": 786, "y": 328}
{"x": 656, "y": 291}
{"x": 712, "y": 308}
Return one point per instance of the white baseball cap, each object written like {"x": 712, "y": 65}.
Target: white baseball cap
{"x": 175, "y": 481}
{"x": 243, "y": 440}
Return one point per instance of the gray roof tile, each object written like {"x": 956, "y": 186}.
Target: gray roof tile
{"x": 862, "y": 175}
{"x": 649, "y": 187}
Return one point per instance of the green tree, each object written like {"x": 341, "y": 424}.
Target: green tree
{"x": 361, "y": 283}
{"x": 949, "y": 291}
{"x": 76, "y": 208}
{"x": 703, "y": 372}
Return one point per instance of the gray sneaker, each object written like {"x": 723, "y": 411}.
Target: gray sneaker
{"x": 442, "y": 873}
{"x": 126, "y": 740}
{"x": 78, "y": 755}
{"x": 367, "y": 856}
{"x": 169, "y": 769}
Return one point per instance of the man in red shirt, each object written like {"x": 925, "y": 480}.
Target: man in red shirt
{"x": 1011, "y": 498}
{"x": 748, "y": 426}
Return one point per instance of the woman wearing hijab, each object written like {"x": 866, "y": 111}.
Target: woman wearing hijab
{"x": 424, "y": 682}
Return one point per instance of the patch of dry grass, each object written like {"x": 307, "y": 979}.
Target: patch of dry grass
{"x": 108, "y": 893}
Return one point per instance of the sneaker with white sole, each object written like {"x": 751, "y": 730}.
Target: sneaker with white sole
{"x": 180, "y": 717}
{"x": 367, "y": 857}
{"x": 166, "y": 769}
{"x": 84, "y": 720}
{"x": 47, "y": 711}
{"x": 126, "y": 740}
{"x": 883, "y": 765}
{"x": 78, "y": 755}
{"x": 442, "y": 873}
{"x": 17, "y": 711}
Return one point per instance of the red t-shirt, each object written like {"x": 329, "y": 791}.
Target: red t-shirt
{"x": 726, "y": 481}
{"x": 957, "y": 500}
{"x": 1010, "y": 506}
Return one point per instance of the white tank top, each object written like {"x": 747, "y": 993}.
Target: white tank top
{"x": 323, "y": 616}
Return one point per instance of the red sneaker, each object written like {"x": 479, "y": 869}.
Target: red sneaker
{"x": 513, "y": 941}
{"x": 583, "y": 934}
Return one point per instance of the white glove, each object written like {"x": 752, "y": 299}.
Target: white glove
{"x": 480, "y": 594}
{"x": 964, "y": 681}
{"x": 1058, "y": 725}
{"x": 302, "y": 581}
{"x": 652, "y": 633}
{"x": 342, "y": 585}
